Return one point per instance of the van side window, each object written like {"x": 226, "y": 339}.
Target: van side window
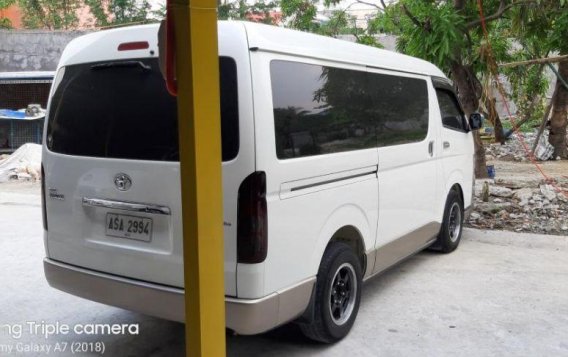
{"x": 452, "y": 116}
{"x": 121, "y": 109}
{"x": 399, "y": 106}
{"x": 321, "y": 110}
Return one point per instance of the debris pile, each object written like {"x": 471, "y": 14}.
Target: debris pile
{"x": 24, "y": 164}
{"x": 521, "y": 205}
{"x": 513, "y": 150}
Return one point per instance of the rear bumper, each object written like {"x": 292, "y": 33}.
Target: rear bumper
{"x": 244, "y": 316}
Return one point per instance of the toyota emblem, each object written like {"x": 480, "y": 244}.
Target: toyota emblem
{"x": 122, "y": 182}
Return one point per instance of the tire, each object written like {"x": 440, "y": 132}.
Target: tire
{"x": 338, "y": 279}
{"x": 452, "y": 224}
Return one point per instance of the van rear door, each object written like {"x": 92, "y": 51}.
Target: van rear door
{"x": 112, "y": 170}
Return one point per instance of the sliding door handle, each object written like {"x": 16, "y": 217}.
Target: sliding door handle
{"x": 446, "y": 144}
{"x": 431, "y": 148}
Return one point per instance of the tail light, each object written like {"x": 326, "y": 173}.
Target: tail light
{"x": 43, "y": 206}
{"x": 252, "y": 222}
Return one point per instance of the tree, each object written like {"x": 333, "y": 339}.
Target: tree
{"x": 242, "y": 10}
{"x": 545, "y": 22}
{"x": 119, "y": 12}
{"x": 50, "y": 14}
{"x": 449, "y": 34}
{"x": 301, "y": 15}
{"x": 528, "y": 87}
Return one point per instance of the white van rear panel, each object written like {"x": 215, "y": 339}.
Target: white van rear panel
{"x": 78, "y": 226}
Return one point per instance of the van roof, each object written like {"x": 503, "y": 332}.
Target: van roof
{"x": 303, "y": 44}
{"x": 102, "y": 45}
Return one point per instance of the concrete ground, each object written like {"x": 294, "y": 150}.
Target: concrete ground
{"x": 500, "y": 293}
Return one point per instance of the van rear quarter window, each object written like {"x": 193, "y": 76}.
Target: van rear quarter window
{"x": 321, "y": 110}
{"x": 121, "y": 109}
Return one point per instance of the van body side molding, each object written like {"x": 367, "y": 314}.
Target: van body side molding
{"x": 126, "y": 206}
{"x": 318, "y": 183}
{"x": 297, "y": 188}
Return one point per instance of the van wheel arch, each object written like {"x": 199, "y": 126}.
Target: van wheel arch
{"x": 443, "y": 242}
{"x": 351, "y": 236}
{"x": 457, "y": 187}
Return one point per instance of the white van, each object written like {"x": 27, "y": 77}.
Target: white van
{"x": 339, "y": 160}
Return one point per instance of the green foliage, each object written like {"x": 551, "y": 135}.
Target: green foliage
{"x": 5, "y": 23}
{"x": 242, "y": 10}
{"x": 339, "y": 23}
{"x": 119, "y": 12}
{"x": 441, "y": 39}
{"x": 527, "y": 85}
{"x": 50, "y": 14}
{"x": 368, "y": 40}
{"x": 545, "y": 23}
{"x": 300, "y": 14}
{"x": 442, "y": 32}
{"x": 559, "y": 30}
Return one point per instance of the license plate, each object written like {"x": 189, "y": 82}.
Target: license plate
{"x": 131, "y": 227}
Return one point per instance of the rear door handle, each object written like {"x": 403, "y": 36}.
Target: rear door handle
{"x": 446, "y": 144}
{"x": 126, "y": 206}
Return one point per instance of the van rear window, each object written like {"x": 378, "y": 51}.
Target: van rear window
{"x": 121, "y": 109}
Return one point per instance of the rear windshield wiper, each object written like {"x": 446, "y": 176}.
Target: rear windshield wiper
{"x": 128, "y": 64}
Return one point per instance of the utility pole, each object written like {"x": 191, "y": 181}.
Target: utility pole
{"x": 192, "y": 36}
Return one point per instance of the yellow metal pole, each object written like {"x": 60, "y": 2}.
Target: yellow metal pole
{"x": 197, "y": 72}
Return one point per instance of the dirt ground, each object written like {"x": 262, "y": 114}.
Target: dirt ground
{"x": 527, "y": 171}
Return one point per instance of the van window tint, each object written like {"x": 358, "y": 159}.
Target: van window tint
{"x": 399, "y": 108}
{"x": 320, "y": 110}
{"x": 452, "y": 116}
{"x": 121, "y": 109}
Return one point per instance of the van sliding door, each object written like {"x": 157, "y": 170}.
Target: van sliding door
{"x": 407, "y": 164}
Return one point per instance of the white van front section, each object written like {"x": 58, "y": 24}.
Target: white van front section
{"x": 88, "y": 198}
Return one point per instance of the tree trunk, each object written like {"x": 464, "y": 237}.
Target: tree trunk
{"x": 559, "y": 118}
{"x": 493, "y": 117}
{"x": 466, "y": 84}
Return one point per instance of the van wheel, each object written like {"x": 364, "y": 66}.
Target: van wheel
{"x": 452, "y": 224}
{"x": 337, "y": 296}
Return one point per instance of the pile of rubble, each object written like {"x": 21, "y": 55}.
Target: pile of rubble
{"x": 522, "y": 206}
{"x": 23, "y": 165}
{"x": 514, "y": 150}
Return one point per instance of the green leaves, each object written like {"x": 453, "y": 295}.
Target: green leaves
{"x": 431, "y": 31}
{"x": 118, "y": 12}
{"x": 57, "y": 14}
{"x": 5, "y": 3}
{"x": 50, "y": 14}
{"x": 300, "y": 14}
{"x": 558, "y": 38}
{"x": 242, "y": 10}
